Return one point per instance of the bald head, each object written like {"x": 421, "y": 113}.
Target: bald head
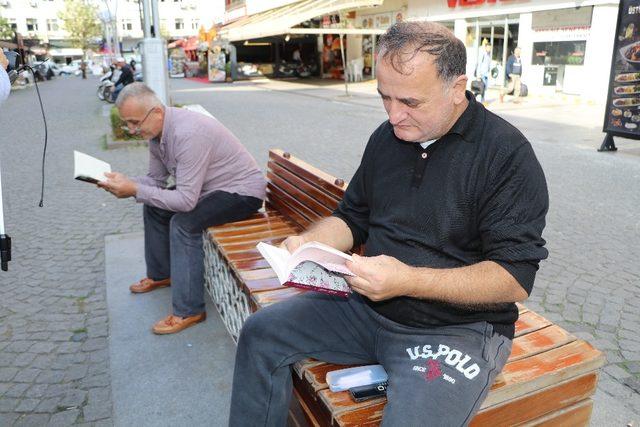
{"x": 141, "y": 93}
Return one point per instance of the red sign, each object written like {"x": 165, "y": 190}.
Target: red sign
{"x": 464, "y": 3}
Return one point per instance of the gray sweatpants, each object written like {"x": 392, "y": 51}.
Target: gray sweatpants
{"x": 437, "y": 376}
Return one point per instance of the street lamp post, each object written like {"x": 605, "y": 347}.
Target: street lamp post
{"x": 154, "y": 53}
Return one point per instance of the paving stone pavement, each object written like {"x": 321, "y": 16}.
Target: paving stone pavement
{"x": 54, "y": 367}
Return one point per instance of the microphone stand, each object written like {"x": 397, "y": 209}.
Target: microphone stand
{"x": 5, "y": 241}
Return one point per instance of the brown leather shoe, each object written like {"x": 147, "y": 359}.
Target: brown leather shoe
{"x": 172, "y": 324}
{"x": 146, "y": 285}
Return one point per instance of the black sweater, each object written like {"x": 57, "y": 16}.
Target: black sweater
{"x": 476, "y": 194}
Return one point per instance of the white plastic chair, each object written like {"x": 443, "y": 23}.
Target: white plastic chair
{"x": 356, "y": 65}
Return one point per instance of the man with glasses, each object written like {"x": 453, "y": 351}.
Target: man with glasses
{"x": 216, "y": 181}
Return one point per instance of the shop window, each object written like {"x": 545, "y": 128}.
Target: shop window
{"x": 559, "y": 53}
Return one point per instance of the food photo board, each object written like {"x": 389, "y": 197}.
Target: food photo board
{"x": 622, "y": 115}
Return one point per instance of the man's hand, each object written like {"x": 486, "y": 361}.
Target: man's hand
{"x": 119, "y": 185}
{"x": 379, "y": 278}
{"x": 4, "y": 62}
{"x": 292, "y": 243}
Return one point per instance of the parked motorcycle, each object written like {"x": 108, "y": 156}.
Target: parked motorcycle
{"x": 106, "y": 83}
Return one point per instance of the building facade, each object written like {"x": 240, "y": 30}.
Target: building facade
{"x": 38, "y": 20}
{"x": 566, "y": 45}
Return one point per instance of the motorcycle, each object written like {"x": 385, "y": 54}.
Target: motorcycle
{"x": 106, "y": 85}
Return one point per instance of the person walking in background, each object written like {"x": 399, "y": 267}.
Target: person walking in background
{"x": 513, "y": 71}
{"x": 484, "y": 68}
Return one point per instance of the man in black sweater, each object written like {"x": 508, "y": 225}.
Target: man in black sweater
{"x": 126, "y": 77}
{"x": 450, "y": 203}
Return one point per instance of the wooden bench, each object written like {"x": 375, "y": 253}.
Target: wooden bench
{"x": 550, "y": 376}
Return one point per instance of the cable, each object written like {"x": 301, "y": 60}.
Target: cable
{"x": 46, "y": 133}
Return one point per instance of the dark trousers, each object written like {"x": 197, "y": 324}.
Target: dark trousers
{"x": 438, "y": 376}
{"x": 173, "y": 244}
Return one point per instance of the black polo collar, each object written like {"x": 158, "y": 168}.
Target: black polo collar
{"x": 471, "y": 123}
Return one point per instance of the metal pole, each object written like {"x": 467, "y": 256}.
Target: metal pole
{"x": 146, "y": 19}
{"x": 1, "y": 209}
{"x": 505, "y": 48}
{"x": 344, "y": 67}
{"x": 156, "y": 18}
{"x": 373, "y": 56}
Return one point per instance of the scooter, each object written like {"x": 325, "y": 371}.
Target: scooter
{"x": 104, "y": 88}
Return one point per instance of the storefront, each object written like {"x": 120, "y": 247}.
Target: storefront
{"x": 562, "y": 46}
{"x": 321, "y": 34}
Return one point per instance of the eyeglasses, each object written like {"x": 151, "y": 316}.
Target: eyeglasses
{"x": 138, "y": 126}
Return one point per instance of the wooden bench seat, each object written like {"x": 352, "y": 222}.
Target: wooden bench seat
{"x": 548, "y": 380}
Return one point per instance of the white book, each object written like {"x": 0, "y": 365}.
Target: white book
{"x": 89, "y": 169}
{"x": 313, "y": 266}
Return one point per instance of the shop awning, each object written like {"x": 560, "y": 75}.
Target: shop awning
{"x": 281, "y": 20}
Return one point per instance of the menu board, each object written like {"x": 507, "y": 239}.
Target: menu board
{"x": 622, "y": 115}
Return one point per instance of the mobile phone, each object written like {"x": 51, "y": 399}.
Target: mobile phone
{"x": 370, "y": 391}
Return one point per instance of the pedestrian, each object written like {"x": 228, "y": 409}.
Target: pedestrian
{"x": 83, "y": 68}
{"x": 449, "y": 201}
{"x": 216, "y": 181}
{"x": 513, "y": 71}
{"x": 5, "y": 84}
{"x": 483, "y": 69}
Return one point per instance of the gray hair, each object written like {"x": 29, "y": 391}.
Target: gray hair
{"x": 404, "y": 40}
{"x": 141, "y": 92}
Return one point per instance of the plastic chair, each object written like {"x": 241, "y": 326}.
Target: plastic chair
{"x": 357, "y": 65}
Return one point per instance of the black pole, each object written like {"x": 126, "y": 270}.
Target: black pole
{"x": 608, "y": 144}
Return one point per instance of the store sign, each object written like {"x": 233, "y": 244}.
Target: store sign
{"x": 622, "y": 113}
{"x": 464, "y": 3}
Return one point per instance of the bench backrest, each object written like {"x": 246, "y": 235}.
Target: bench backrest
{"x": 300, "y": 191}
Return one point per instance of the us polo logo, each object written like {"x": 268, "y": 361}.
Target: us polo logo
{"x": 433, "y": 370}
{"x": 452, "y": 357}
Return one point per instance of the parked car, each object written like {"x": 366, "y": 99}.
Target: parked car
{"x": 71, "y": 68}
{"x": 74, "y": 68}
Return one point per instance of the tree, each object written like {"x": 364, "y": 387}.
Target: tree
{"x": 80, "y": 20}
{"x": 6, "y": 32}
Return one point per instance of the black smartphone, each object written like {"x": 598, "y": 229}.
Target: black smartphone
{"x": 366, "y": 392}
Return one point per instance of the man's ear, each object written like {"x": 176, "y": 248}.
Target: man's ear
{"x": 459, "y": 88}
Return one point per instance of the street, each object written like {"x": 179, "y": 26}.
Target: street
{"x": 54, "y": 327}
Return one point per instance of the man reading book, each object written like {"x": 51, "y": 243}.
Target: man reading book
{"x": 216, "y": 181}
{"x": 449, "y": 201}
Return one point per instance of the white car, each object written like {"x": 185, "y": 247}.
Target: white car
{"x": 74, "y": 68}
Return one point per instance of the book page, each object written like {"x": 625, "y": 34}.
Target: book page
{"x": 277, "y": 259}
{"x": 324, "y": 255}
{"x": 90, "y": 169}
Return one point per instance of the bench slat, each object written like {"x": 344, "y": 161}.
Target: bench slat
{"x": 250, "y": 229}
{"x": 322, "y": 196}
{"x": 576, "y": 415}
{"x": 299, "y": 212}
{"x": 308, "y": 172}
{"x": 300, "y": 194}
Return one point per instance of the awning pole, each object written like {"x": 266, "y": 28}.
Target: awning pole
{"x": 344, "y": 67}
{"x": 373, "y": 56}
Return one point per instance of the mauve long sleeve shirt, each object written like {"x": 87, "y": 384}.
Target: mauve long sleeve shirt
{"x": 203, "y": 156}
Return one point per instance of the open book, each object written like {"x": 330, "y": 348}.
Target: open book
{"x": 313, "y": 266}
{"x": 89, "y": 169}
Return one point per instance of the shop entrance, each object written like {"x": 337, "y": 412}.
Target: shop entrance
{"x": 502, "y": 33}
